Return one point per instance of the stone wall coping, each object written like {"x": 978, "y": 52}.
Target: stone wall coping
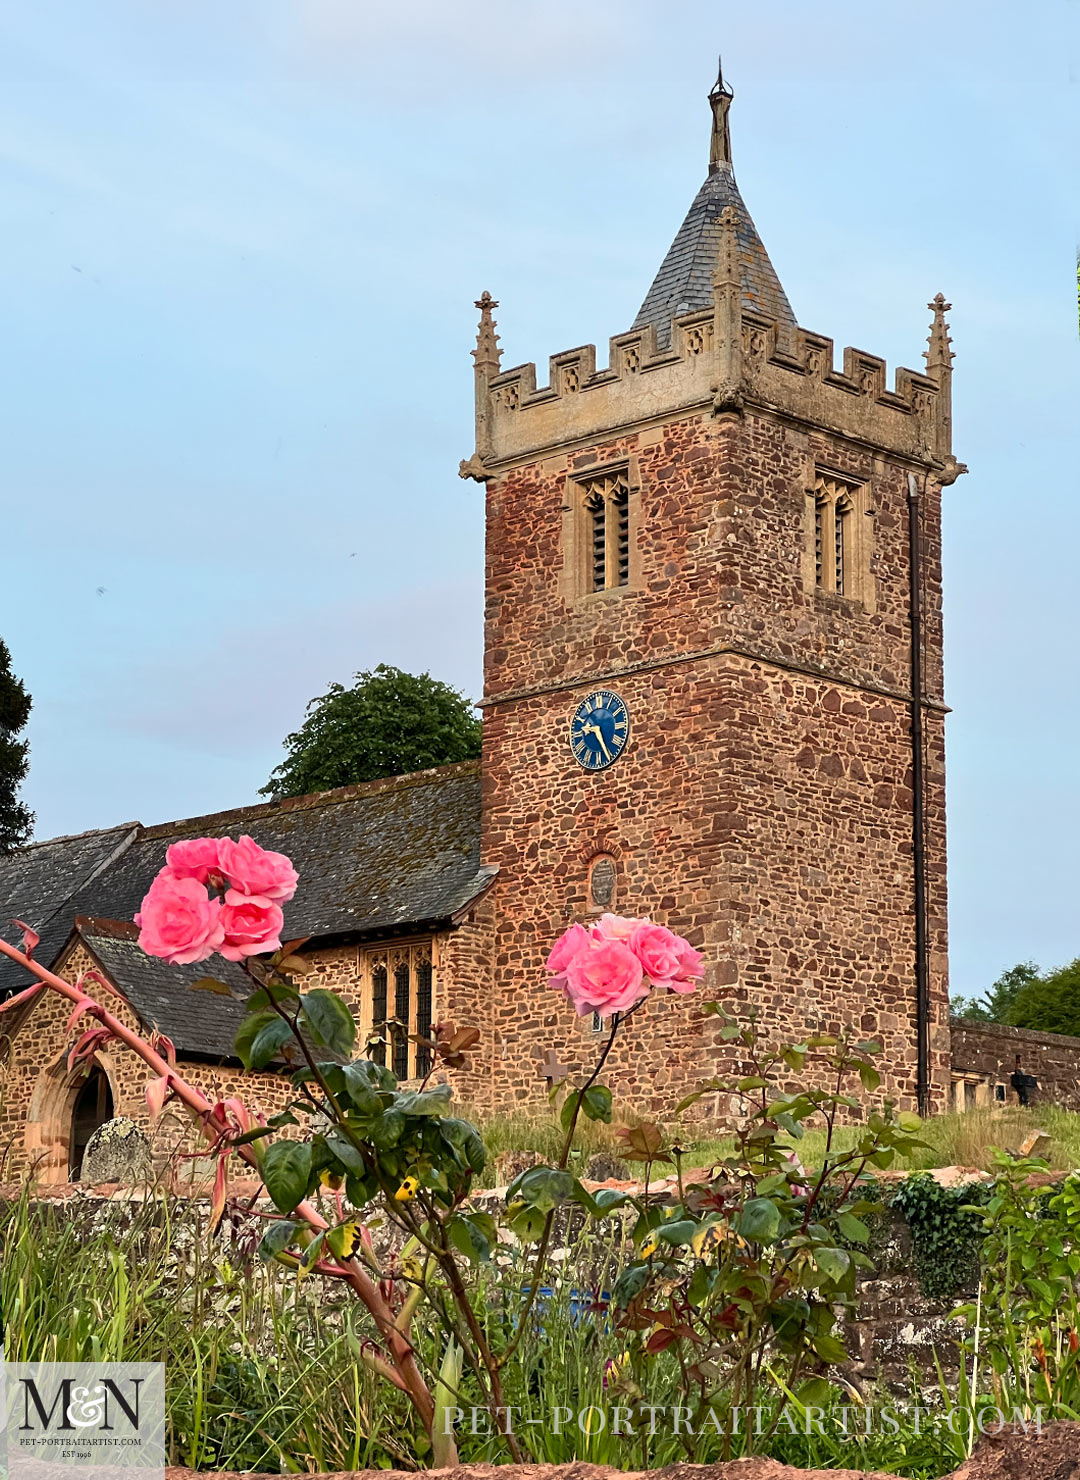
{"x": 1016, "y": 1035}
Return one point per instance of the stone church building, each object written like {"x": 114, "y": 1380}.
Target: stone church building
{"x": 712, "y": 695}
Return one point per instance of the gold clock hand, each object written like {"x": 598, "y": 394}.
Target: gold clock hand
{"x": 595, "y": 729}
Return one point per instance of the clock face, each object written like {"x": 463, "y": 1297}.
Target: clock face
{"x": 599, "y": 730}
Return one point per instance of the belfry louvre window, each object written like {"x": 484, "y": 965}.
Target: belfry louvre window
{"x": 606, "y": 501}
{"x": 398, "y": 991}
{"x": 838, "y": 540}
{"x": 841, "y": 540}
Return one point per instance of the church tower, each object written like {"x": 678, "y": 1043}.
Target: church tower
{"x": 713, "y": 668}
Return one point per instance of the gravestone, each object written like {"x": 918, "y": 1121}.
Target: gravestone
{"x": 118, "y": 1151}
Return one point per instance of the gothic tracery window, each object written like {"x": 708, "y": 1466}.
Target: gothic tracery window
{"x": 398, "y": 985}
{"x": 838, "y": 540}
{"x": 605, "y": 500}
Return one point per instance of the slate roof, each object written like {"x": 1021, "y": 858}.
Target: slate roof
{"x": 37, "y": 882}
{"x": 200, "y": 1024}
{"x": 684, "y": 282}
{"x": 378, "y": 859}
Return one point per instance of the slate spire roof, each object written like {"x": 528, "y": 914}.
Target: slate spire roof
{"x": 684, "y": 282}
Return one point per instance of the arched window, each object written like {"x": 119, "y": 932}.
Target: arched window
{"x": 821, "y": 509}
{"x": 92, "y": 1108}
{"x": 838, "y": 541}
{"x": 397, "y": 1006}
{"x": 620, "y": 507}
{"x": 601, "y": 551}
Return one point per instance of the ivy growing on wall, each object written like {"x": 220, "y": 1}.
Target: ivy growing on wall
{"x": 946, "y": 1232}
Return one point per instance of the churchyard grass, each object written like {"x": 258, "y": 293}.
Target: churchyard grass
{"x": 967, "y": 1139}
{"x": 261, "y": 1374}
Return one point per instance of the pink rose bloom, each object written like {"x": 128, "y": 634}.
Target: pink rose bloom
{"x": 573, "y": 940}
{"x": 179, "y": 921}
{"x": 251, "y": 924}
{"x": 657, "y": 948}
{"x": 615, "y": 927}
{"x": 691, "y": 967}
{"x": 253, "y": 870}
{"x": 196, "y": 858}
{"x": 604, "y": 977}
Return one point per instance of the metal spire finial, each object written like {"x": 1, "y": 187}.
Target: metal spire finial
{"x": 720, "y": 101}
{"x": 719, "y": 86}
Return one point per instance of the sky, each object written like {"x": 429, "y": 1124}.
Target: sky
{"x": 241, "y": 245}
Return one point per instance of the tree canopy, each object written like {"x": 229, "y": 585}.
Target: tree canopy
{"x": 996, "y": 1005}
{"x": 387, "y": 724}
{"x": 1050, "y": 1003}
{"x": 16, "y": 819}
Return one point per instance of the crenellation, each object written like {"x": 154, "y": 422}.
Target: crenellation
{"x": 570, "y": 371}
{"x": 779, "y": 368}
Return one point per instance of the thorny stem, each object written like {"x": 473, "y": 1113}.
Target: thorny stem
{"x": 617, "y": 1021}
{"x": 441, "y": 1254}
{"x": 401, "y": 1349}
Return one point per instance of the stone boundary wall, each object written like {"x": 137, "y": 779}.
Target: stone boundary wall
{"x": 989, "y": 1050}
{"x": 896, "y": 1332}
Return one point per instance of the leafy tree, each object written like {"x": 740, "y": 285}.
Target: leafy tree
{"x": 16, "y": 819}
{"x": 387, "y": 724}
{"x": 1050, "y": 1003}
{"x": 997, "y": 1004}
{"x": 971, "y": 1009}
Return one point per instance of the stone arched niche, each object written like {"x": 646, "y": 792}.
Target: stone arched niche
{"x": 67, "y": 1106}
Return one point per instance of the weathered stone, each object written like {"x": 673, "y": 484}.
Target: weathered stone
{"x": 987, "y": 1053}
{"x": 118, "y": 1151}
{"x": 1037, "y": 1144}
{"x": 510, "y": 1164}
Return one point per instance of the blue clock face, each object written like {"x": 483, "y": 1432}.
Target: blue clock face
{"x": 599, "y": 730}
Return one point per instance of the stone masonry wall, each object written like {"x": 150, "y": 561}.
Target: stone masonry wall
{"x": 990, "y": 1050}
{"x": 763, "y": 805}
{"x": 37, "y": 1092}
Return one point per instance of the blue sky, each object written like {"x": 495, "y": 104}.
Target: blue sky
{"x": 241, "y": 245}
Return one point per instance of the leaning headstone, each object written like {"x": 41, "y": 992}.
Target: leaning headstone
{"x": 118, "y": 1151}
{"x": 1037, "y": 1144}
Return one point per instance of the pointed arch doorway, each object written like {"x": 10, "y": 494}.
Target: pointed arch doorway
{"x": 92, "y": 1107}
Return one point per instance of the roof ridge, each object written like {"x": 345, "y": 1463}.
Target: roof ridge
{"x": 129, "y": 831}
{"x": 319, "y": 798}
{"x": 90, "y": 832}
{"x": 101, "y": 925}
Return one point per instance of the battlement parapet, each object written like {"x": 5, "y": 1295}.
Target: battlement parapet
{"x": 774, "y": 367}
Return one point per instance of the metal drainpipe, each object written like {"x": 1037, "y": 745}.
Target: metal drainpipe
{"x": 918, "y": 811}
